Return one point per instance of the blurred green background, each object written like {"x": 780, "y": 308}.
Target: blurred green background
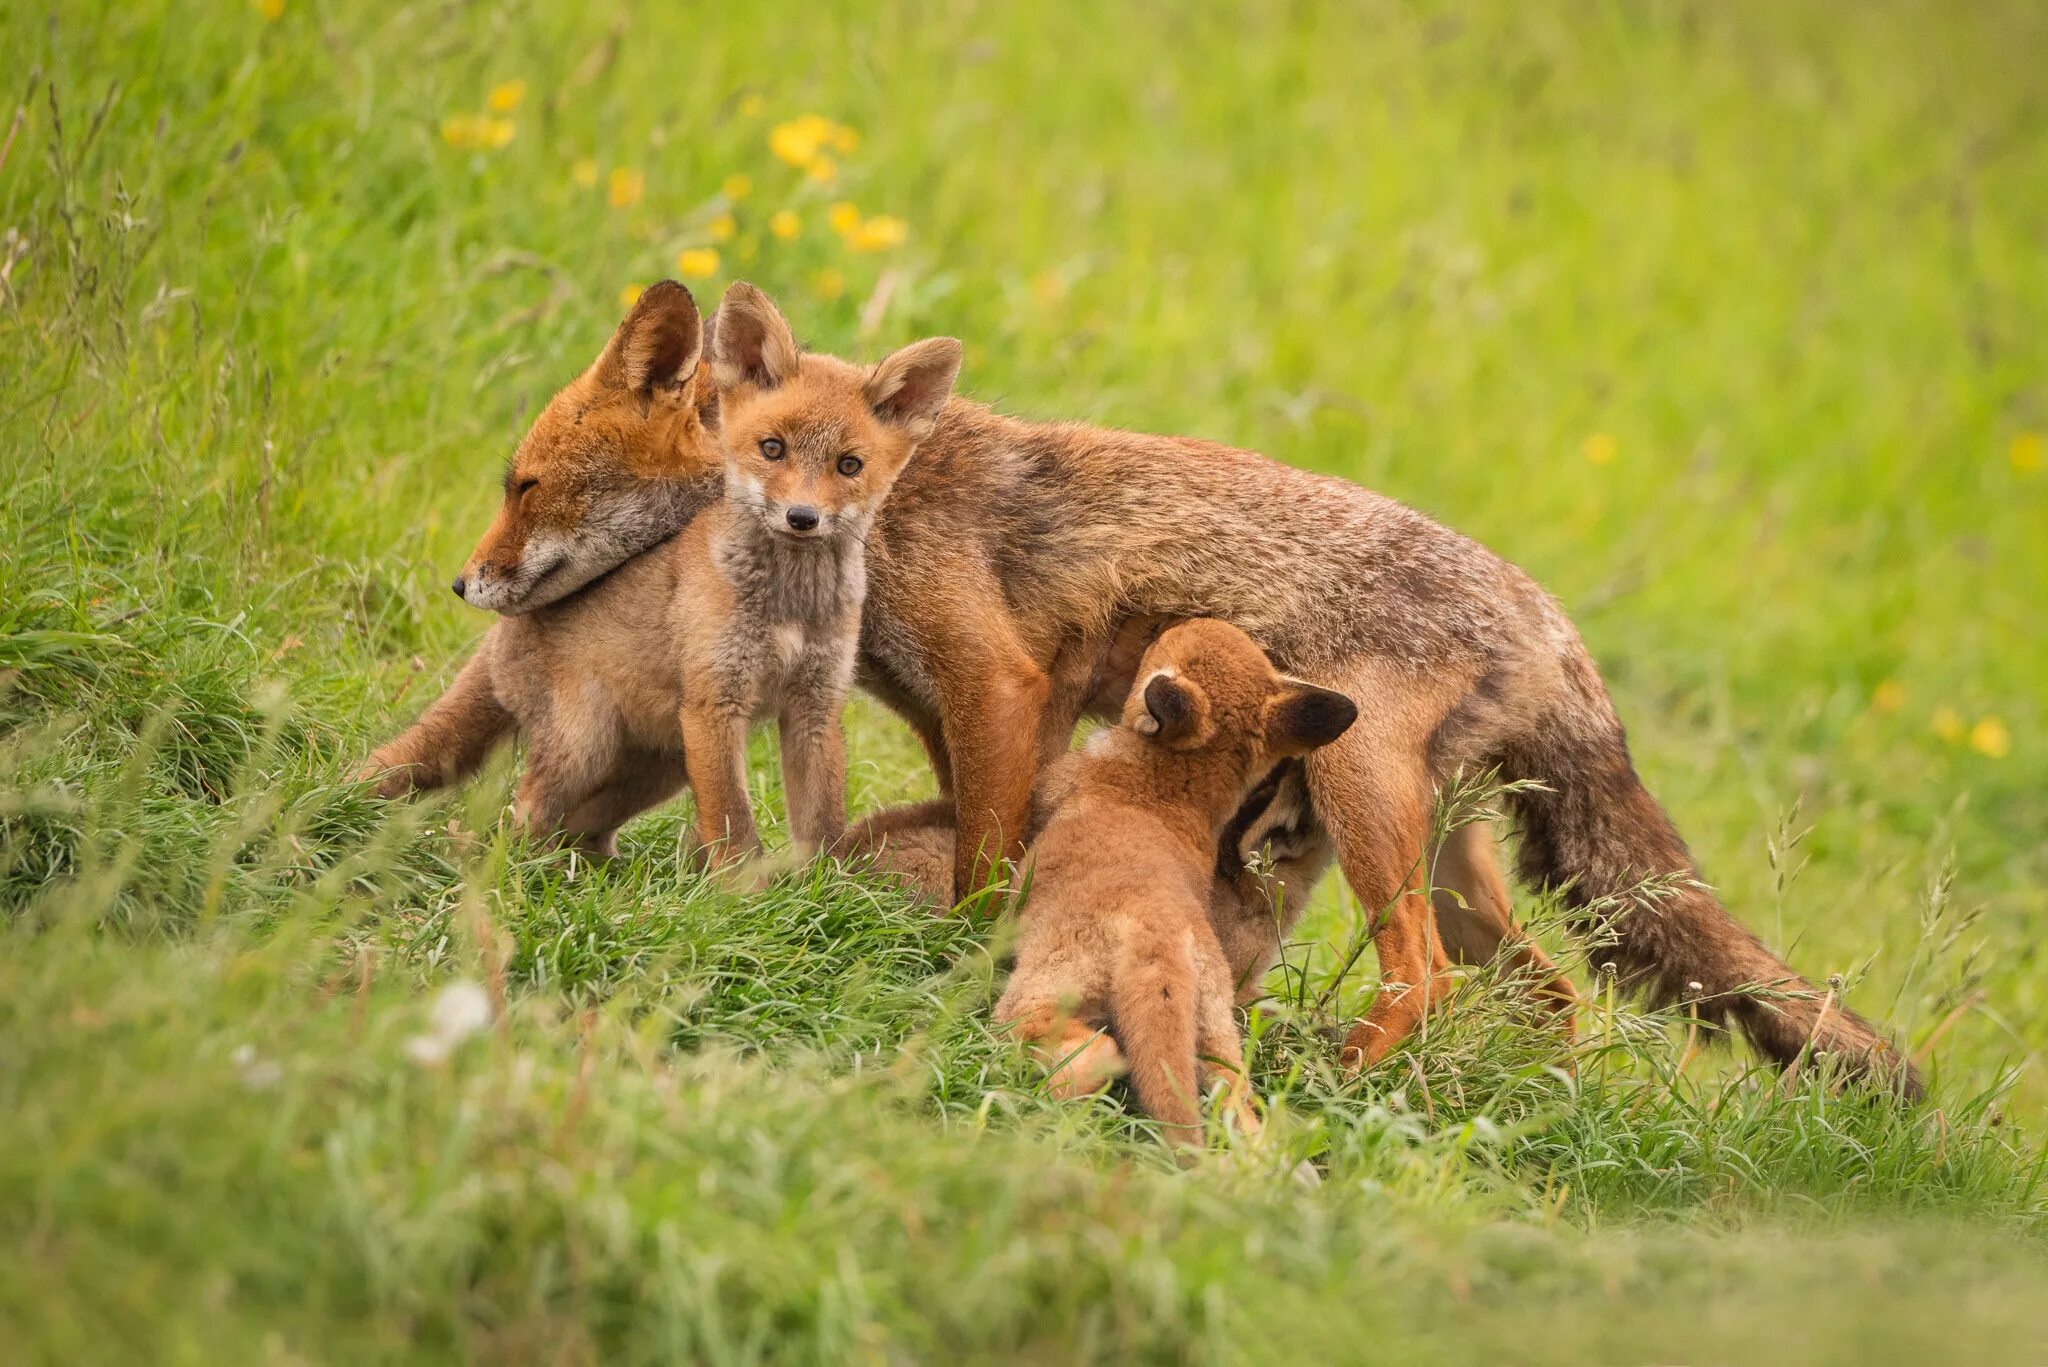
{"x": 1724, "y": 320}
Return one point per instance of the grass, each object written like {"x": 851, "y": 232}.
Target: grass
{"x": 1722, "y": 320}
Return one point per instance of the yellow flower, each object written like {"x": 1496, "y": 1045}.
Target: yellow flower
{"x": 828, "y": 283}
{"x": 584, "y": 172}
{"x": 625, "y": 187}
{"x": 737, "y": 188}
{"x": 785, "y": 225}
{"x": 506, "y": 96}
{"x": 722, "y": 228}
{"x": 271, "y": 10}
{"x": 1888, "y": 696}
{"x": 822, "y": 169}
{"x": 630, "y": 295}
{"x": 844, "y": 139}
{"x": 470, "y": 132}
{"x": 799, "y": 140}
{"x": 878, "y": 234}
{"x": 697, "y": 263}
{"x": 1948, "y": 724}
{"x": 844, "y": 216}
{"x": 1989, "y": 737}
{"x": 752, "y": 105}
{"x": 462, "y": 131}
{"x": 2029, "y": 452}
{"x": 1048, "y": 288}
{"x": 1599, "y": 449}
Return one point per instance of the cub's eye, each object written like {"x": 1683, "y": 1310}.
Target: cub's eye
{"x": 526, "y": 484}
{"x": 771, "y": 448}
{"x": 849, "y": 465}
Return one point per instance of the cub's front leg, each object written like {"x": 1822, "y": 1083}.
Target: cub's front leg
{"x": 814, "y": 776}
{"x": 715, "y": 753}
{"x": 813, "y": 745}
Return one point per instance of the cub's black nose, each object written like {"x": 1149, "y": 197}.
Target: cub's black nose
{"x": 802, "y": 519}
{"x": 459, "y": 585}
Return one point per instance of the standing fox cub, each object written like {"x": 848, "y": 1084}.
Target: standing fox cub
{"x": 1118, "y": 965}
{"x": 770, "y": 619}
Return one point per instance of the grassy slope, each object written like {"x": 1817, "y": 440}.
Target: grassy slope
{"x": 270, "y": 336}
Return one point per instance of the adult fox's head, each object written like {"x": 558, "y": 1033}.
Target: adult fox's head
{"x": 813, "y": 443}
{"x": 615, "y": 463}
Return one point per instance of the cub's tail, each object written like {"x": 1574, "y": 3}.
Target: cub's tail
{"x": 1153, "y": 1000}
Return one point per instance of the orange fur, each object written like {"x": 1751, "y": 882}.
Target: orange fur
{"x": 1117, "y": 934}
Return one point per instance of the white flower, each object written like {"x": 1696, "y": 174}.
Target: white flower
{"x": 463, "y": 1009}
{"x": 460, "y": 1010}
{"x": 258, "y": 1074}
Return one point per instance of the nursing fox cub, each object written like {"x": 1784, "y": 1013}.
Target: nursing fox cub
{"x": 1118, "y": 966}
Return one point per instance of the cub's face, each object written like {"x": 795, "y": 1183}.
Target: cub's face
{"x": 593, "y": 481}
{"x": 813, "y": 443}
{"x": 809, "y": 457}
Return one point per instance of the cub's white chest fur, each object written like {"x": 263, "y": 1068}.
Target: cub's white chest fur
{"x": 789, "y": 640}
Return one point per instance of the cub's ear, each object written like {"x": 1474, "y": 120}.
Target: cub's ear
{"x": 1175, "y": 711}
{"x": 1302, "y": 717}
{"x": 750, "y": 341}
{"x": 910, "y": 386}
{"x": 654, "y": 353}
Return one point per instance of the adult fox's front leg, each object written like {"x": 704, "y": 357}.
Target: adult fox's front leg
{"x": 992, "y": 697}
{"x": 451, "y": 739}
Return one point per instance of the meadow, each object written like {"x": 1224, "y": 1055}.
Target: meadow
{"x": 1725, "y": 321}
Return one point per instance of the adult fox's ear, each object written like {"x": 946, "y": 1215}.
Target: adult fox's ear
{"x": 703, "y": 388}
{"x": 654, "y": 353}
{"x": 750, "y": 341}
{"x": 910, "y": 386}
{"x": 1302, "y": 717}
{"x": 1176, "y": 711}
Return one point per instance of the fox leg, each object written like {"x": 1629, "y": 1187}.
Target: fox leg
{"x": 451, "y": 739}
{"x": 643, "y": 779}
{"x": 1474, "y": 918}
{"x": 1373, "y": 792}
{"x": 813, "y": 774}
{"x": 715, "y": 752}
{"x": 914, "y": 842}
{"x": 995, "y": 696}
{"x": 1219, "y": 1047}
{"x": 566, "y": 764}
{"x": 1081, "y": 1059}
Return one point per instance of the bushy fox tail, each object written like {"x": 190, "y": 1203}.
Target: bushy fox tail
{"x": 450, "y": 741}
{"x": 1598, "y": 838}
{"x": 1153, "y": 999}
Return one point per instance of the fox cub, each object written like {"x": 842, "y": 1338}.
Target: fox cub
{"x": 812, "y": 445}
{"x": 1118, "y": 964}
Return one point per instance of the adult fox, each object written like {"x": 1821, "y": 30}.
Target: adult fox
{"x": 1008, "y": 539}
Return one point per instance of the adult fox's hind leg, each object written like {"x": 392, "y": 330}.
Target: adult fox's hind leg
{"x": 1372, "y": 789}
{"x": 1475, "y": 919}
{"x": 641, "y": 780}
